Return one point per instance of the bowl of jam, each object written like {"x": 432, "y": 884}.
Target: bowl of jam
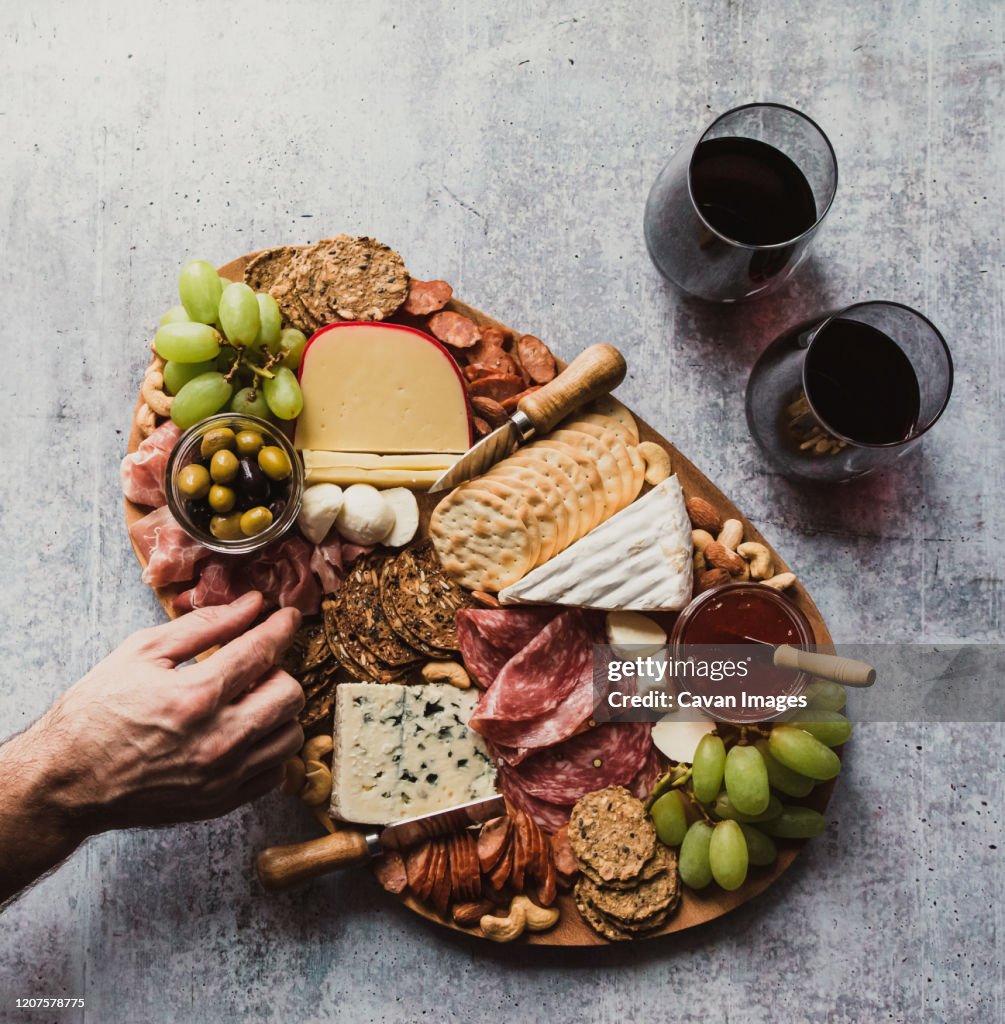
{"x": 234, "y": 483}
{"x": 744, "y": 622}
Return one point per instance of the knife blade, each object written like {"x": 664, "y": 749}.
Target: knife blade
{"x": 281, "y": 867}
{"x": 594, "y": 372}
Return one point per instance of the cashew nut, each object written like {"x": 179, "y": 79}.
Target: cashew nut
{"x": 446, "y": 672}
{"x": 294, "y": 776}
{"x": 782, "y": 581}
{"x": 145, "y": 419}
{"x": 317, "y": 747}
{"x": 759, "y": 557}
{"x": 539, "y": 919}
{"x": 731, "y": 534}
{"x": 152, "y": 390}
{"x": 657, "y": 462}
{"x": 701, "y": 539}
{"x": 505, "y": 929}
{"x": 318, "y": 787}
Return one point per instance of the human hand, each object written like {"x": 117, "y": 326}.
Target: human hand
{"x": 139, "y": 741}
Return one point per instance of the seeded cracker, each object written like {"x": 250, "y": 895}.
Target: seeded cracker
{"x": 638, "y": 906}
{"x": 610, "y": 832}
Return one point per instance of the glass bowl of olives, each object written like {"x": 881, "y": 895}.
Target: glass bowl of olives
{"x": 234, "y": 483}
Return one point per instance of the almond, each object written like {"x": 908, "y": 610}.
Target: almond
{"x": 721, "y": 557}
{"x": 712, "y": 578}
{"x": 703, "y": 515}
{"x": 466, "y": 915}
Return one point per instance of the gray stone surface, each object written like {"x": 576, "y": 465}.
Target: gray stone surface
{"x": 511, "y": 154}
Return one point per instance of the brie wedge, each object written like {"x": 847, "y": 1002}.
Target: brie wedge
{"x": 640, "y": 559}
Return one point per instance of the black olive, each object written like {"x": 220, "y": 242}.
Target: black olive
{"x": 200, "y": 512}
{"x": 277, "y": 507}
{"x": 251, "y": 484}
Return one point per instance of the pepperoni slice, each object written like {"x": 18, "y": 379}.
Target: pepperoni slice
{"x": 426, "y": 297}
{"x": 498, "y": 386}
{"x": 536, "y": 359}
{"x": 454, "y": 329}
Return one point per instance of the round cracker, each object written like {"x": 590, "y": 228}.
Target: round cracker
{"x": 553, "y": 483}
{"x": 618, "y": 449}
{"x": 599, "y": 451}
{"x": 610, "y": 831}
{"x": 598, "y": 419}
{"x": 532, "y": 507}
{"x": 608, "y": 405}
{"x": 482, "y": 543}
{"x": 638, "y": 469}
{"x": 584, "y": 479}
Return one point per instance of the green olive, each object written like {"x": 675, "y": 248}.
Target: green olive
{"x": 223, "y": 466}
{"x": 215, "y": 440}
{"x": 255, "y": 521}
{"x": 221, "y": 499}
{"x": 227, "y": 527}
{"x": 249, "y": 441}
{"x": 274, "y": 463}
{"x": 193, "y": 481}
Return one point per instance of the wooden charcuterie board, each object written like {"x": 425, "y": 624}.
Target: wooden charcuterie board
{"x": 695, "y": 908}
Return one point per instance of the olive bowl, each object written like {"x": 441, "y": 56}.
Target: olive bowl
{"x": 187, "y": 451}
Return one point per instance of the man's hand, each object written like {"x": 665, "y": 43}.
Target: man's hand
{"x": 139, "y": 741}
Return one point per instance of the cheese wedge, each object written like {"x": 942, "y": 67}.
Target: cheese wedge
{"x": 381, "y": 388}
{"x": 640, "y": 559}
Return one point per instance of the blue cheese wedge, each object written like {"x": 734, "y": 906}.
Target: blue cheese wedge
{"x": 640, "y": 559}
{"x": 402, "y": 751}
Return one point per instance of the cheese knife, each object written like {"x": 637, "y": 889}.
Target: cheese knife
{"x": 281, "y": 867}
{"x": 594, "y": 372}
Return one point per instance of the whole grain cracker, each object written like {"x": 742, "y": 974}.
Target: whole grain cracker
{"x": 638, "y": 905}
{"x": 610, "y": 832}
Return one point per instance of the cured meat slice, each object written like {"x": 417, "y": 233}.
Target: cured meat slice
{"x": 489, "y": 637}
{"x": 492, "y": 842}
{"x": 172, "y": 556}
{"x": 545, "y": 730}
{"x": 644, "y": 780}
{"x": 540, "y": 675}
{"x": 142, "y": 471}
{"x": 536, "y": 358}
{"x": 426, "y": 296}
{"x": 562, "y": 855}
{"x": 391, "y": 873}
{"x": 550, "y": 817}
{"x": 454, "y": 329}
{"x": 612, "y": 754}
{"x": 417, "y": 865}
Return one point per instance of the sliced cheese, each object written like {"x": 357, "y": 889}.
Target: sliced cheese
{"x": 366, "y": 460}
{"x": 380, "y": 388}
{"x": 419, "y": 479}
{"x": 401, "y": 751}
{"x": 678, "y": 734}
{"x": 640, "y": 559}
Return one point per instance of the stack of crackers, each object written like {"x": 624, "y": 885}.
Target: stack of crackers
{"x": 392, "y": 612}
{"x": 493, "y": 530}
{"x": 629, "y": 884}
{"x": 311, "y": 660}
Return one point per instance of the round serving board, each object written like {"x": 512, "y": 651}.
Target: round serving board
{"x": 694, "y": 908}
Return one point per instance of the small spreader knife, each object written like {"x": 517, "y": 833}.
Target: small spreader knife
{"x": 594, "y": 372}
{"x": 281, "y": 867}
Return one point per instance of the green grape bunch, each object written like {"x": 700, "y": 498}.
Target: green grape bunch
{"x": 225, "y": 347}
{"x": 728, "y": 807}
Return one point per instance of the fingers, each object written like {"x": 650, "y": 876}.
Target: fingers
{"x": 275, "y": 700}
{"x": 237, "y": 665}
{"x": 272, "y": 751}
{"x": 197, "y": 631}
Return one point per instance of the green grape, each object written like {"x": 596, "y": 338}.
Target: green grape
{"x": 760, "y": 849}
{"x": 239, "y": 314}
{"x": 175, "y": 315}
{"x": 819, "y": 693}
{"x": 177, "y": 375}
{"x": 830, "y": 727}
{"x": 724, "y": 808}
{"x": 200, "y": 397}
{"x": 292, "y": 344}
{"x": 707, "y": 768}
{"x": 803, "y": 753}
{"x": 796, "y": 823}
{"x": 785, "y": 780}
{"x": 727, "y": 855}
{"x": 199, "y": 289}
{"x": 187, "y": 342}
{"x": 245, "y": 405}
{"x": 747, "y": 780}
{"x": 693, "y": 859}
{"x": 270, "y": 322}
{"x": 283, "y": 394}
{"x": 669, "y": 818}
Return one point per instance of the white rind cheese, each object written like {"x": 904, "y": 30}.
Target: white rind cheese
{"x": 640, "y": 559}
{"x": 401, "y": 751}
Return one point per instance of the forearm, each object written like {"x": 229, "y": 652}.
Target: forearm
{"x": 37, "y": 829}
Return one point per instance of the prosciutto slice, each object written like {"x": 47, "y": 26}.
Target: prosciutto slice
{"x": 489, "y": 637}
{"x": 282, "y": 572}
{"x": 331, "y": 557}
{"x": 172, "y": 556}
{"x": 142, "y": 471}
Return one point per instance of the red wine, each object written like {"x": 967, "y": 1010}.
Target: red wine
{"x": 751, "y": 192}
{"x": 861, "y": 384}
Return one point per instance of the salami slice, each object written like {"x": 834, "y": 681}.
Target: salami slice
{"x": 489, "y": 637}
{"x": 454, "y": 329}
{"x": 646, "y": 777}
{"x": 497, "y": 386}
{"x": 536, "y": 359}
{"x": 613, "y": 754}
{"x": 550, "y": 817}
{"x": 390, "y": 871}
{"x": 426, "y": 296}
{"x": 540, "y": 675}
